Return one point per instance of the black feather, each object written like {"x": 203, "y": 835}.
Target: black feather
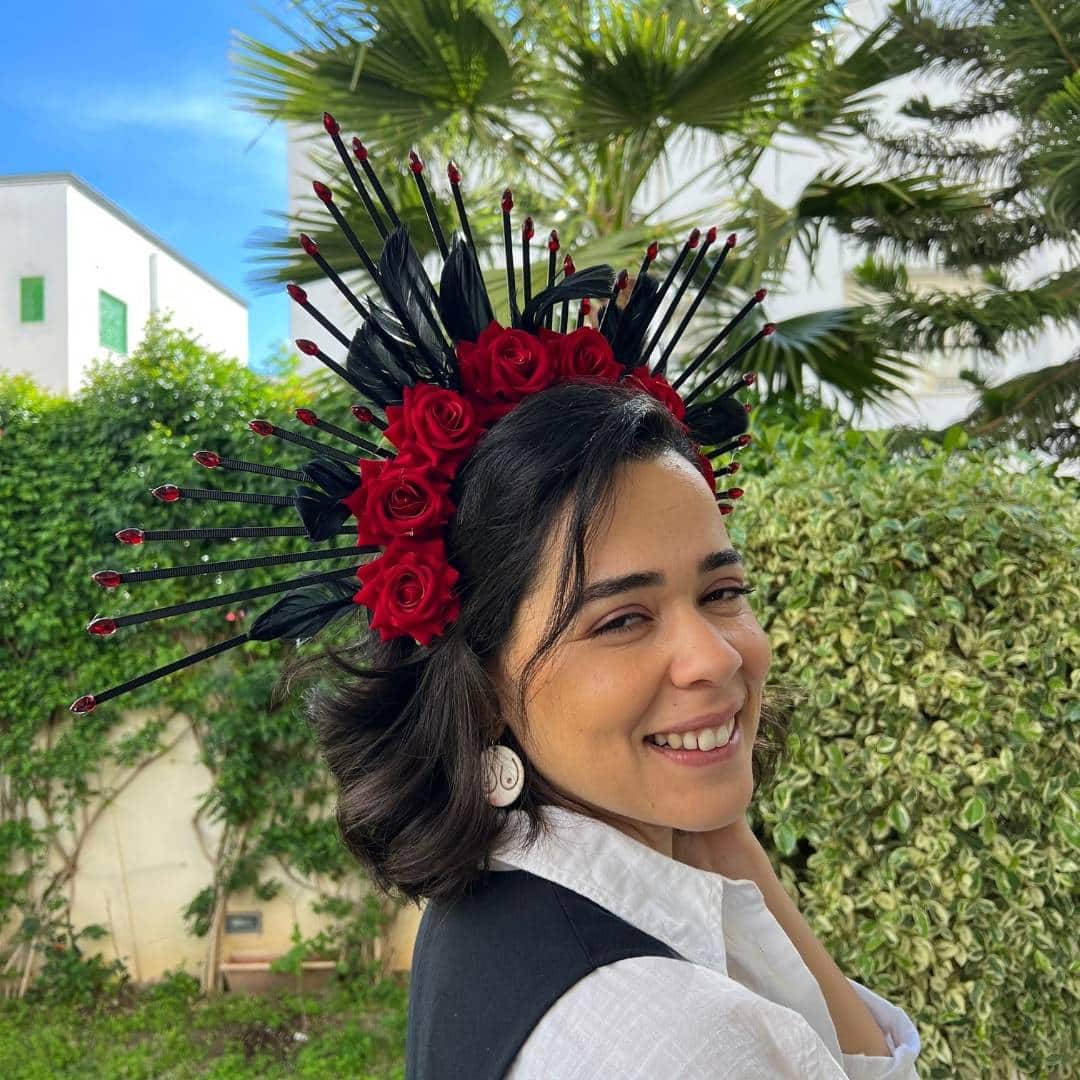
{"x": 408, "y": 291}
{"x": 304, "y": 612}
{"x": 629, "y": 336}
{"x": 591, "y": 282}
{"x": 321, "y": 514}
{"x": 464, "y": 305}
{"x": 334, "y": 477}
{"x": 716, "y": 421}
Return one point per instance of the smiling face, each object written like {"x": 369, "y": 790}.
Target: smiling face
{"x": 644, "y": 660}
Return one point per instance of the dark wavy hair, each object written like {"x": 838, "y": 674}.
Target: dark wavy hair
{"x": 402, "y": 727}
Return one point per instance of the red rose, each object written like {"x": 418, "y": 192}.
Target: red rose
{"x": 658, "y": 387}
{"x": 398, "y": 498}
{"x": 584, "y": 353}
{"x": 409, "y": 590}
{"x": 434, "y": 425}
{"x": 505, "y": 365}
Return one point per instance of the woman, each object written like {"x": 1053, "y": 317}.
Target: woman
{"x": 649, "y": 935}
{"x": 556, "y": 731}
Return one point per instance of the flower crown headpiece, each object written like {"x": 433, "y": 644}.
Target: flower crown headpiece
{"x": 436, "y": 371}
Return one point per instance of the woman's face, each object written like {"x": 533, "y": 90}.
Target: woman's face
{"x": 673, "y": 651}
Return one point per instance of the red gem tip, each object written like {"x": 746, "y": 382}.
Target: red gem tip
{"x": 507, "y": 201}
{"x": 107, "y": 579}
{"x": 207, "y": 459}
{"x": 568, "y": 266}
{"x": 130, "y": 536}
{"x": 768, "y": 328}
{"x": 331, "y": 125}
{"x": 359, "y": 149}
{"x": 586, "y": 306}
{"x": 528, "y": 229}
{"x": 262, "y": 427}
{"x": 322, "y": 191}
{"x": 724, "y": 508}
{"x": 453, "y": 174}
{"x": 622, "y": 280}
{"x": 733, "y": 493}
{"x": 761, "y": 294}
{"x": 87, "y": 703}
{"x": 748, "y": 408}
{"x": 734, "y": 467}
{"x": 308, "y": 244}
{"x": 553, "y": 240}
{"x": 652, "y": 251}
{"x": 745, "y": 440}
{"x": 102, "y": 627}
{"x": 694, "y": 238}
{"x": 363, "y": 414}
{"x": 415, "y": 163}
{"x": 307, "y": 347}
{"x": 166, "y": 492}
{"x": 306, "y": 416}
{"x": 296, "y": 293}
{"x": 732, "y": 240}
{"x": 749, "y": 378}
{"x": 710, "y": 236}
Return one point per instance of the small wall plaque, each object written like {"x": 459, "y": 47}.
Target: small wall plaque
{"x": 243, "y": 922}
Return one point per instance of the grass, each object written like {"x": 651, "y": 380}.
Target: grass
{"x": 169, "y": 1032}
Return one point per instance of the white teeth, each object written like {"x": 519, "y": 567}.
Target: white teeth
{"x": 703, "y": 739}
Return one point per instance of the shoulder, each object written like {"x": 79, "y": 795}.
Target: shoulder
{"x": 649, "y": 1016}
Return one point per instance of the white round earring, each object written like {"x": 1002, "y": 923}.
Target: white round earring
{"x": 504, "y": 775}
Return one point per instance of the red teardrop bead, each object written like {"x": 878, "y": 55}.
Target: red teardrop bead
{"x": 733, "y": 493}
{"x": 323, "y": 191}
{"x": 568, "y": 266}
{"x": 296, "y": 293}
{"x": 359, "y": 149}
{"x": 768, "y": 328}
{"x": 694, "y": 238}
{"x": 528, "y": 230}
{"x": 85, "y": 704}
{"x": 307, "y": 347}
{"x": 453, "y": 174}
{"x": 586, "y": 306}
{"x": 711, "y": 234}
{"x": 308, "y": 244}
{"x": 262, "y": 427}
{"x": 734, "y": 467}
{"x": 761, "y": 294}
{"x": 652, "y": 251}
{"x": 724, "y": 508}
{"x": 507, "y": 201}
{"x": 732, "y": 240}
{"x": 331, "y": 125}
{"x": 166, "y": 492}
{"x": 363, "y": 414}
{"x": 415, "y": 163}
{"x": 748, "y": 408}
{"x": 130, "y": 536}
{"x": 306, "y": 416}
{"x": 553, "y": 240}
{"x": 749, "y": 378}
{"x": 102, "y": 627}
{"x": 622, "y": 280}
{"x": 107, "y": 579}
{"x": 745, "y": 440}
{"x": 207, "y": 459}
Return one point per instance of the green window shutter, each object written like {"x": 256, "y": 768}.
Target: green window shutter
{"x": 32, "y": 299}
{"x": 112, "y": 322}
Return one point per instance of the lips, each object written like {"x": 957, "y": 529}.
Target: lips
{"x": 707, "y": 720}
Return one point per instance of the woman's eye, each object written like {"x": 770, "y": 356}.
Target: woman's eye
{"x": 620, "y": 625}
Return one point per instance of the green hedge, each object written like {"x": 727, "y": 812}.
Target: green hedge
{"x": 925, "y": 605}
{"x": 927, "y": 609}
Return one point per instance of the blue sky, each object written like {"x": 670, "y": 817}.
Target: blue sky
{"x": 138, "y": 100}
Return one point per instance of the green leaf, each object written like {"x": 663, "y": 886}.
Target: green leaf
{"x": 785, "y": 838}
{"x": 899, "y": 818}
{"x": 973, "y": 812}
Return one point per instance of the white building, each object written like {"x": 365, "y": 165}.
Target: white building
{"x": 80, "y": 277}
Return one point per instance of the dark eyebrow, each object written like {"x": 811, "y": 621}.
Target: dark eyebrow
{"x": 602, "y": 590}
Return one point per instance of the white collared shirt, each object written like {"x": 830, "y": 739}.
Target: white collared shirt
{"x": 745, "y": 1006}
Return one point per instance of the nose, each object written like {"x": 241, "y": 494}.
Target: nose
{"x": 702, "y": 649}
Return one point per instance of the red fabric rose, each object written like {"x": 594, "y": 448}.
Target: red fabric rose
{"x": 409, "y": 590}
{"x": 658, "y": 387}
{"x": 434, "y": 425}
{"x": 398, "y": 498}
{"x": 504, "y": 365}
{"x": 583, "y": 353}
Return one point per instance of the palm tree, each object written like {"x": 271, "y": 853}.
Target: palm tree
{"x": 591, "y": 107}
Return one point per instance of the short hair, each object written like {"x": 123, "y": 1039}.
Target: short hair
{"x": 404, "y": 726}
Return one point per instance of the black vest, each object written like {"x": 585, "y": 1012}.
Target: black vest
{"x": 487, "y": 967}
